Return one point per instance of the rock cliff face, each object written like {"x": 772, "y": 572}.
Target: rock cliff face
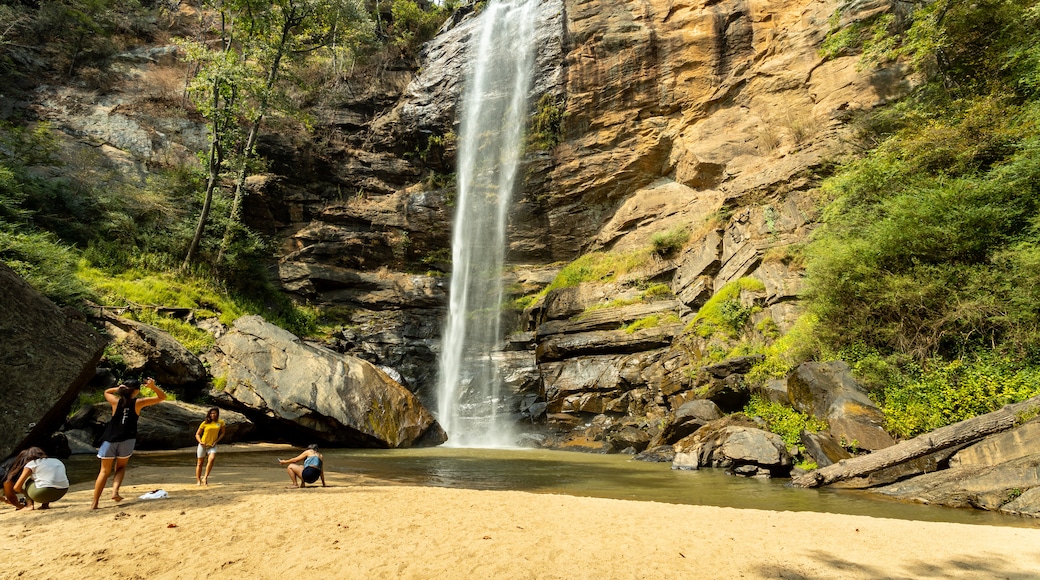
{"x": 718, "y": 118}
{"x": 714, "y": 117}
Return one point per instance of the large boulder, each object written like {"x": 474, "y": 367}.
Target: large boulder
{"x": 737, "y": 444}
{"x": 313, "y": 393}
{"x": 48, "y": 354}
{"x": 689, "y": 417}
{"x": 827, "y": 391}
{"x": 150, "y": 351}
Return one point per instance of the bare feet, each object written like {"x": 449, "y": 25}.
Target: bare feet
{"x": 45, "y": 506}
{"x": 205, "y": 481}
{"x": 116, "y": 497}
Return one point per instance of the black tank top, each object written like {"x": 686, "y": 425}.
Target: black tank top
{"x": 123, "y": 424}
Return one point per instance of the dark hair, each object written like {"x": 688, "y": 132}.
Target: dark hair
{"x": 211, "y": 409}
{"x": 15, "y": 471}
{"x": 313, "y": 447}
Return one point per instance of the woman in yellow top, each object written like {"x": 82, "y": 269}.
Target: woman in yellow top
{"x": 208, "y": 434}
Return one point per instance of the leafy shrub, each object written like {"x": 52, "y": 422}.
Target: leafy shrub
{"x": 945, "y": 392}
{"x": 783, "y": 420}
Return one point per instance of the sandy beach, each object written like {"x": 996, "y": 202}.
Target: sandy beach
{"x": 246, "y": 523}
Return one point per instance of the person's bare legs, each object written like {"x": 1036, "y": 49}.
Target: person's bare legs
{"x": 209, "y": 467}
{"x": 198, "y": 472}
{"x": 102, "y": 479}
{"x": 117, "y": 479}
{"x": 294, "y": 472}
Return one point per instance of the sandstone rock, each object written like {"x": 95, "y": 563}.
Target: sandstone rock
{"x": 773, "y": 391}
{"x": 688, "y": 418}
{"x": 1026, "y": 504}
{"x": 928, "y": 464}
{"x": 984, "y": 487}
{"x": 47, "y": 356}
{"x": 314, "y": 393}
{"x": 147, "y": 350}
{"x": 995, "y": 449}
{"x": 660, "y": 454}
{"x": 608, "y": 318}
{"x": 730, "y": 394}
{"x": 628, "y": 437}
{"x": 823, "y": 448}
{"x": 605, "y": 342}
{"x": 739, "y": 365}
{"x": 827, "y": 391}
{"x": 743, "y": 449}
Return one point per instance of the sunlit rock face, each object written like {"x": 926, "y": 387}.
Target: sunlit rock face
{"x": 720, "y": 117}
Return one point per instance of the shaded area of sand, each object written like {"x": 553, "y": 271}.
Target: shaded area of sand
{"x": 247, "y": 524}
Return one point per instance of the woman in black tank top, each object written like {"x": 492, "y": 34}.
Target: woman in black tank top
{"x": 117, "y": 442}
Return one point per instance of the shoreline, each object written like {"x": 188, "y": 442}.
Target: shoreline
{"x": 247, "y": 522}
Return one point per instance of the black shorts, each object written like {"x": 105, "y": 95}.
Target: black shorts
{"x": 310, "y": 474}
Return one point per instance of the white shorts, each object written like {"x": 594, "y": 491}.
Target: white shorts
{"x": 202, "y": 451}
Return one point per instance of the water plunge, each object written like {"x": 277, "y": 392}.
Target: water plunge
{"x": 472, "y": 405}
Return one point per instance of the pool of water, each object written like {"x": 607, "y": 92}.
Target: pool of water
{"x": 580, "y": 474}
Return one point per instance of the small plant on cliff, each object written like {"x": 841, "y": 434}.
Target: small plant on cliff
{"x": 670, "y": 241}
{"x": 724, "y": 312}
{"x": 546, "y": 126}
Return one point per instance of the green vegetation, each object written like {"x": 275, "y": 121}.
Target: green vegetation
{"x": 597, "y": 267}
{"x": 412, "y": 25}
{"x": 671, "y": 241}
{"x": 942, "y": 394}
{"x": 724, "y": 313}
{"x": 923, "y": 274}
{"x": 546, "y": 126}
{"x": 783, "y": 420}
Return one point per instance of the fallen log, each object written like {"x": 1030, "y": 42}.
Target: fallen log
{"x": 966, "y": 431}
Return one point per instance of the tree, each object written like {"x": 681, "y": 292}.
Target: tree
{"x": 240, "y": 87}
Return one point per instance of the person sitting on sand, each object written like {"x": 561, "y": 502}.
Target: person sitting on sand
{"x": 208, "y": 434}
{"x": 48, "y": 481}
{"x": 313, "y": 467}
{"x": 120, "y": 436}
{"x": 11, "y": 468}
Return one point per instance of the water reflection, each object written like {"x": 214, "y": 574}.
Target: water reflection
{"x": 587, "y": 475}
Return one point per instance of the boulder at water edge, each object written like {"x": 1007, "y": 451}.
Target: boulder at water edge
{"x": 828, "y": 391}
{"x": 47, "y": 355}
{"x": 312, "y": 393}
{"x": 735, "y": 443}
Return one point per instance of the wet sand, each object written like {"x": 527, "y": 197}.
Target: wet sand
{"x": 246, "y": 523}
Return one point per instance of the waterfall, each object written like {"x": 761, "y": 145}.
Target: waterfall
{"x": 473, "y": 406}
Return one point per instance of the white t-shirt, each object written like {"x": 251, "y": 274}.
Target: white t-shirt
{"x": 48, "y": 472}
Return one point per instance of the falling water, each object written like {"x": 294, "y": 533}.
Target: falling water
{"x": 472, "y": 403}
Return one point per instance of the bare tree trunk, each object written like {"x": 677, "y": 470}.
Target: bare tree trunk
{"x": 234, "y": 216}
{"x": 966, "y": 431}
{"x": 216, "y": 159}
